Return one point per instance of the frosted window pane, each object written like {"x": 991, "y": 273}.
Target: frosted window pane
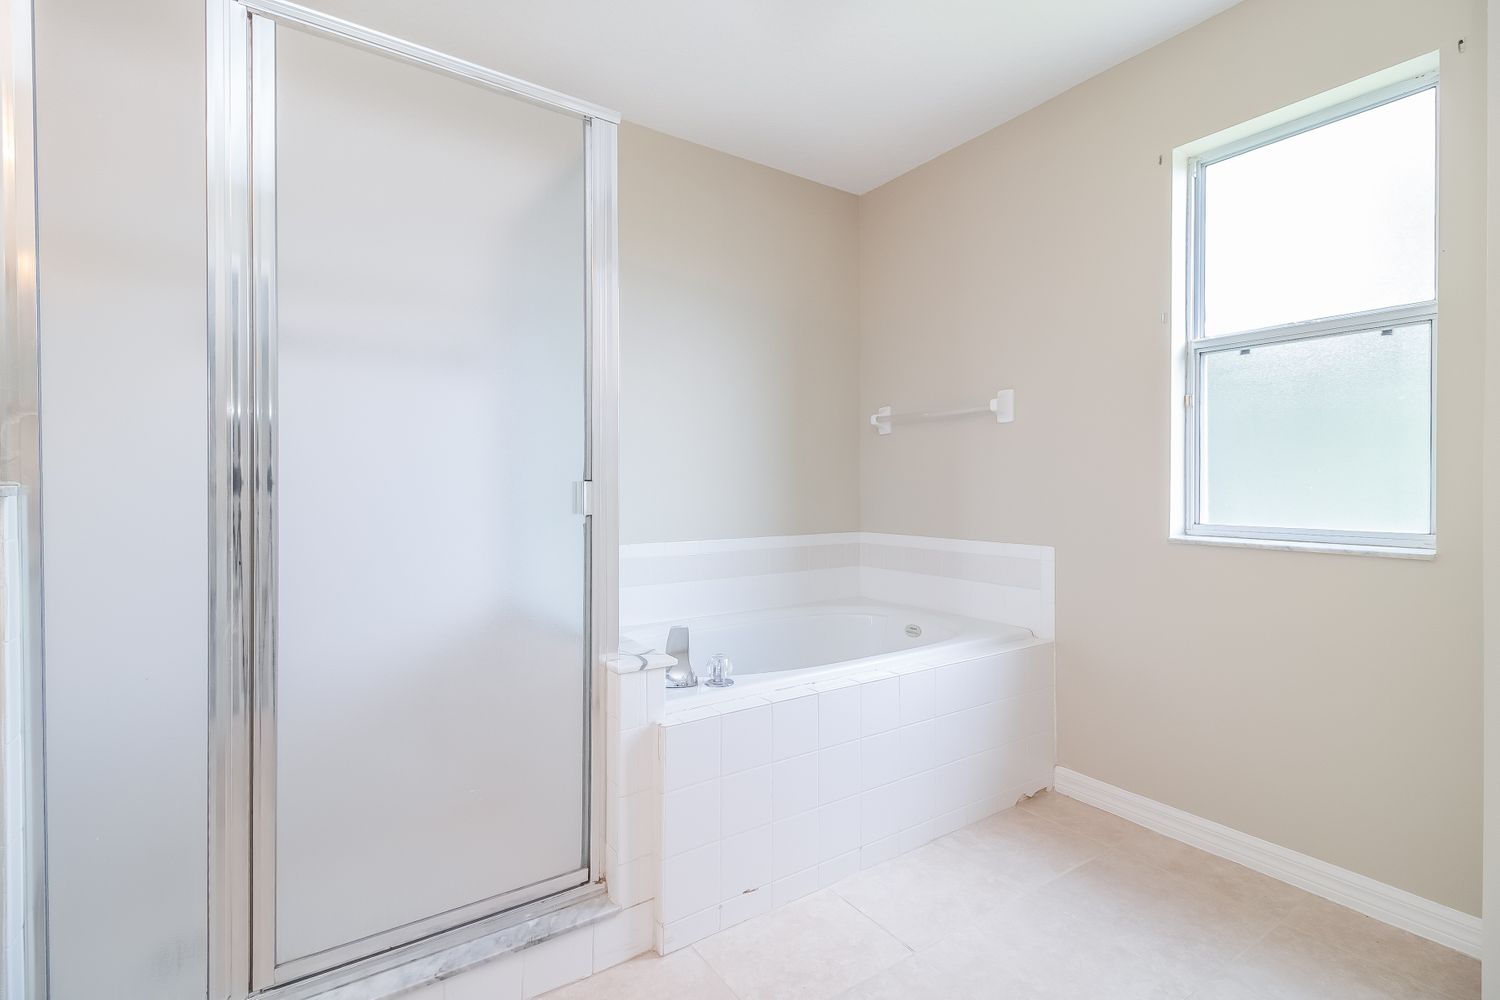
{"x": 1332, "y": 433}
{"x": 1336, "y": 220}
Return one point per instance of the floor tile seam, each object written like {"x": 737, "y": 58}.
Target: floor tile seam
{"x": 1121, "y": 851}
{"x": 713, "y": 971}
{"x": 1020, "y": 891}
{"x": 881, "y": 927}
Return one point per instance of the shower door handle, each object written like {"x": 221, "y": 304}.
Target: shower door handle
{"x": 583, "y": 498}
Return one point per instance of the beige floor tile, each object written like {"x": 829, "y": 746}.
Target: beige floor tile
{"x": 1043, "y": 947}
{"x": 1163, "y": 852}
{"x": 1018, "y": 846}
{"x": 1051, "y": 901}
{"x": 812, "y": 949}
{"x": 1184, "y": 909}
{"x": 1233, "y": 880}
{"x": 1443, "y": 970}
{"x": 917, "y": 978}
{"x": 928, "y": 894}
{"x": 1291, "y": 965}
{"x": 1096, "y": 824}
{"x": 682, "y": 975}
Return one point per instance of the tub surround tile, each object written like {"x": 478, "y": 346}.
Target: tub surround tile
{"x": 794, "y": 786}
{"x": 690, "y": 818}
{"x": 980, "y": 739}
{"x": 625, "y": 699}
{"x": 746, "y": 800}
{"x": 794, "y": 844}
{"x": 631, "y": 882}
{"x": 686, "y": 930}
{"x": 838, "y": 829}
{"x": 745, "y": 735}
{"x": 841, "y": 867}
{"x": 963, "y": 734}
{"x": 839, "y": 772}
{"x": 917, "y": 748}
{"x": 630, "y": 762}
{"x": 794, "y": 887}
{"x": 555, "y": 963}
{"x": 879, "y": 852}
{"x": 918, "y": 694}
{"x": 745, "y": 863}
{"x": 880, "y": 814}
{"x": 689, "y": 883}
{"x": 690, "y": 751}
{"x": 880, "y": 704}
{"x": 915, "y": 801}
{"x": 794, "y": 723}
{"x": 744, "y": 906}
{"x": 838, "y": 712}
{"x": 725, "y": 595}
{"x": 917, "y": 836}
{"x": 622, "y": 937}
{"x": 880, "y": 759}
{"x": 631, "y": 831}
{"x": 497, "y": 980}
{"x": 986, "y": 580}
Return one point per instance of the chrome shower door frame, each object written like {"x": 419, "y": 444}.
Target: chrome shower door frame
{"x": 242, "y": 295}
{"x": 23, "y": 888}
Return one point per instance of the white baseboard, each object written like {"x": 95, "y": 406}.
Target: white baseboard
{"x": 1397, "y": 907}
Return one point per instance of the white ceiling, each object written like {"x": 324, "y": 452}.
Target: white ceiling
{"x": 850, "y": 93}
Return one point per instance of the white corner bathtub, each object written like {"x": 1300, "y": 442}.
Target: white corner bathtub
{"x": 784, "y": 647}
{"x": 854, "y": 732}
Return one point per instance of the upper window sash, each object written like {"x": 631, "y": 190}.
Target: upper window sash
{"x": 1197, "y": 167}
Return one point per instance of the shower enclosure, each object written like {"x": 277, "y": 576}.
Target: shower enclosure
{"x": 409, "y": 581}
{"x": 404, "y": 469}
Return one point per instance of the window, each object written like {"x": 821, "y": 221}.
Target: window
{"x": 1312, "y": 292}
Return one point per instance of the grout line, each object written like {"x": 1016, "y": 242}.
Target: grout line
{"x": 710, "y": 966}
{"x": 910, "y": 950}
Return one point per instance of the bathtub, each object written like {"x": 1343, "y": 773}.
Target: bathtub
{"x": 854, "y": 732}
{"x": 784, "y": 647}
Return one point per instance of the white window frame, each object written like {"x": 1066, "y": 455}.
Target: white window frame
{"x": 1198, "y": 346}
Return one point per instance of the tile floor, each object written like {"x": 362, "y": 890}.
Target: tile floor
{"x": 1051, "y": 899}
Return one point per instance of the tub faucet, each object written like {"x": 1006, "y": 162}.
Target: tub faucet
{"x": 719, "y": 669}
{"x": 681, "y": 674}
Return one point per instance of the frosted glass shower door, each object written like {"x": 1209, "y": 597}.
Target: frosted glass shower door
{"x": 430, "y": 613}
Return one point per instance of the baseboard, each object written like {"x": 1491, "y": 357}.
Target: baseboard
{"x": 1397, "y": 907}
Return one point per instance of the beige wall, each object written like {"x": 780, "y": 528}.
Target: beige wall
{"x": 1326, "y": 703}
{"x": 738, "y": 325}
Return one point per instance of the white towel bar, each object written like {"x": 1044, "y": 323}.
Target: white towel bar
{"x": 1003, "y": 407}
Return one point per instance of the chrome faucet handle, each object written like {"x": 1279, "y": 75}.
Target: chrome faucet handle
{"x": 719, "y": 668}
{"x": 681, "y": 675}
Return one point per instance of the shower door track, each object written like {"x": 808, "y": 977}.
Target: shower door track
{"x": 241, "y": 221}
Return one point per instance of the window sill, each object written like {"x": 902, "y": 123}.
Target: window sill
{"x": 1386, "y": 551}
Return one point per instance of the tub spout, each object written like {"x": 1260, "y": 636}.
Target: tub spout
{"x": 681, "y": 675}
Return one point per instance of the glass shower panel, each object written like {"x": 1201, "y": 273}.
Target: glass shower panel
{"x": 431, "y": 665}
